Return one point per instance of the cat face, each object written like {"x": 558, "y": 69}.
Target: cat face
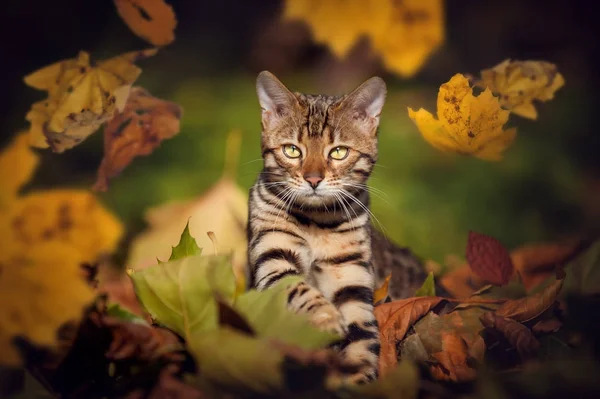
{"x": 318, "y": 149}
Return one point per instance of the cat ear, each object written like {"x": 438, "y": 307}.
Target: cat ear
{"x": 273, "y": 96}
{"x": 366, "y": 102}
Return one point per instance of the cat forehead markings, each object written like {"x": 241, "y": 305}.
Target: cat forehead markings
{"x": 315, "y": 110}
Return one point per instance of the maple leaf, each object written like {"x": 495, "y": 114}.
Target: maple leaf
{"x": 489, "y": 259}
{"x": 18, "y": 154}
{"x": 394, "y": 320}
{"x": 519, "y": 83}
{"x": 152, "y": 20}
{"x": 138, "y": 130}
{"x": 81, "y": 97}
{"x": 466, "y": 124}
{"x": 412, "y": 31}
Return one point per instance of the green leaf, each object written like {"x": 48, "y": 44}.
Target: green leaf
{"x": 187, "y": 245}
{"x": 237, "y": 361}
{"x": 119, "y": 312}
{"x": 180, "y": 294}
{"x": 267, "y": 313}
{"x": 428, "y": 287}
{"x": 402, "y": 382}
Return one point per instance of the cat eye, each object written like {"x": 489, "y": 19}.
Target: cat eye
{"x": 339, "y": 153}
{"x": 291, "y": 151}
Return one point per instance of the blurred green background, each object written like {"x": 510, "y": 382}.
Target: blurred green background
{"x": 547, "y": 187}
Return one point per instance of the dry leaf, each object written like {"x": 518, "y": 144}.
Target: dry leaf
{"x": 519, "y": 336}
{"x": 394, "y": 320}
{"x": 81, "y": 97}
{"x": 381, "y": 293}
{"x": 152, "y": 20}
{"x": 466, "y": 124}
{"x": 452, "y": 360}
{"x": 530, "y": 307}
{"x": 412, "y": 31}
{"x": 144, "y": 123}
{"x": 519, "y": 83}
{"x": 461, "y": 282}
{"x": 17, "y": 162}
{"x": 489, "y": 259}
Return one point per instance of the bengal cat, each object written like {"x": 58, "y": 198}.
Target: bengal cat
{"x": 309, "y": 214}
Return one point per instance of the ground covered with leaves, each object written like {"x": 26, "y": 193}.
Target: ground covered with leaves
{"x": 176, "y": 318}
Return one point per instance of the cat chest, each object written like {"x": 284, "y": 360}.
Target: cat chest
{"x": 325, "y": 244}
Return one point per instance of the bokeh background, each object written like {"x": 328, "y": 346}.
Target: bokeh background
{"x": 546, "y": 188}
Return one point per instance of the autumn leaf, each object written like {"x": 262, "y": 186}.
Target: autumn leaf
{"x": 381, "y": 293}
{"x": 530, "y": 307}
{"x": 144, "y": 123}
{"x": 428, "y": 287}
{"x": 18, "y": 163}
{"x": 452, "y": 360}
{"x": 489, "y": 259}
{"x": 466, "y": 124}
{"x": 412, "y": 31}
{"x": 152, "y": 20}
{"x": 81, "y": 97}
{"x": 187, "y": 246}
{"x": 40, "y": 290}
{"x": 519, "y": 336}
{"x": 223, "y": 209}
{"x": 519, "y": 83}
{"x": 394, "y": 320}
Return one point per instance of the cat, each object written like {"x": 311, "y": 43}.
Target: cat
{"x": 309, "y": 214}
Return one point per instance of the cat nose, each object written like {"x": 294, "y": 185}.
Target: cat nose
{"x": 313, "y": 180}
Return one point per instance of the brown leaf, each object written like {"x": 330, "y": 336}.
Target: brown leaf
{"x": 546, "y": 326}
{"x": 144, "y": 123}
{"x": 530, "y": 307}
{"x": 489, "y": 259}
{"x": 519, "y": 336}
{"x": 394, "y": 319}
{"x": 452, "y": 360}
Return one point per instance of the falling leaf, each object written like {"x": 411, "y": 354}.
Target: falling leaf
{"x": 466, "y": 124}
{"x": 17, "y": 164}
{"x": 410, "y": 34}
{"x": 40, "y": 290}
{"x": 452, "y": 360}
{"x": 530, "y": 307}
{"x": 81, "y": 97}
{"x": 489, "y": 259}
{"x": 152, "y": 20}
{"x": 381, "y": 293}
{"x": 428, "y": 287}
{"x": 144, "y": 123}
{"x": 178, "y": 293}
{"x": 519, "y": 83}
{"x": 394, "y": 320}
{"x": 353, "y": 19}
{"x": 519, "y": 336}
{"x": 223, "y": 209}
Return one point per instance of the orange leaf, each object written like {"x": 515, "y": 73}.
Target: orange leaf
{"x": 144, "y": 123}
{"x": 452, "y": 360}
{"x": 530, "y": 307}
{"x": 394, "y": 319}
{"x": 489, "y": 259}
{"x": 382, "y": 292}
{"x": 152, "y": 20}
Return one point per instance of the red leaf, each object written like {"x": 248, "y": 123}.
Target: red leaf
{"x": 489, "y": 259}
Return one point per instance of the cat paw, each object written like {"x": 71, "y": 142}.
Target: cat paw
{"x": 328, "y": 318}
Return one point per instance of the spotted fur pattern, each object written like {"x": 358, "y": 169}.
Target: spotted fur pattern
{"x": 323, "y": 231}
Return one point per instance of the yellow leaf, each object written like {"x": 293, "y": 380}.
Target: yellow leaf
{"x": 223, "y": 210}
{"x": 340, "y": 23}
{"x": 382, "y": 292}
{"x": 40, "y": 290}
{"x": 81, "y": 97}
{"x": 17, "y": 164}
{"x": 466, "y": 124}
{"x": 519, "y": 83}
{"x": 412, "y": 31}
{"x": 152, "y": 20}
{"x": 69, "y": 217}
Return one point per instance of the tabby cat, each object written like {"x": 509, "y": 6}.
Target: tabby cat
{"x": 309, "y": 214}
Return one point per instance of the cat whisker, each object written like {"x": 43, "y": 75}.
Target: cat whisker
{"x": 365, "y": 208}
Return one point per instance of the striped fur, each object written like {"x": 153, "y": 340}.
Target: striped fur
{"x": 323, "y": 234}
